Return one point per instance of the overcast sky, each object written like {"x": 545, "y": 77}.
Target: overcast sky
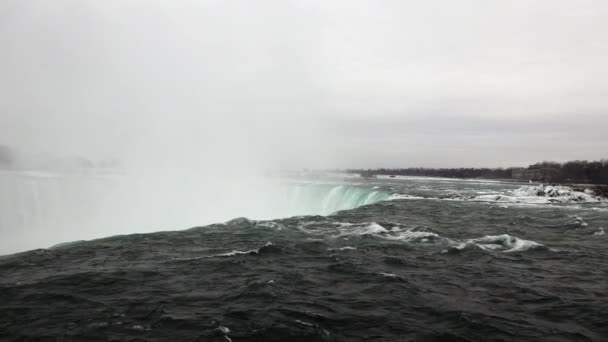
{"x": 306, "y": 83}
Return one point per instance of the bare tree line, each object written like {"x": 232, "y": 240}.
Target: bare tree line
{"x": 577, "y": 171}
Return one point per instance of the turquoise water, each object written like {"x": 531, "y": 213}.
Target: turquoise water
{"x": 324, "y": 199}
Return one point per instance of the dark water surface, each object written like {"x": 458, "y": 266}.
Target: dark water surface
{"x": 441, "y": 262}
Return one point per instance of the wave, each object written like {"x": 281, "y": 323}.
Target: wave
{"x": 502, "y": 243}
{"x": 250, "y": 252}
{"x": 345, "y": 236}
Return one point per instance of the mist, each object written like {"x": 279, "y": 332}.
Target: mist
{"x": 155, "y": 84}
{"x": 194, "y": 98}
{"x": 196, "y": 103}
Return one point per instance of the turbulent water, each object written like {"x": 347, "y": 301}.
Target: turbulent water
{"x": 410, "y": 259}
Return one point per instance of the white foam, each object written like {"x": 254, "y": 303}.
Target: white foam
{"x": 304, "y": 323}
{"x": 235, "y": 252}
{"x": 270, "y": 224}
{"x": 501, "y": 243}
{"x": 398, "y": 234}
{"x": 372, "y": 228}
{"x": 600, "y": 232}
{"x": 395, "y": 233}
{"x": 346, "y": 248}
{"x": 413, "y": 236}
{"x": 388, "y": 275}
{"x": 459, "y": 246}
{"x": 225, "y": 331}
{"x": 505, "y": 242}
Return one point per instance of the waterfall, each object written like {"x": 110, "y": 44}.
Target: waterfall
{"x": 39, "y": 210}
{"x": 324, "y": 199}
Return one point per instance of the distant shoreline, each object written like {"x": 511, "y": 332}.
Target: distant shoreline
{"x": 572, "y": 172}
